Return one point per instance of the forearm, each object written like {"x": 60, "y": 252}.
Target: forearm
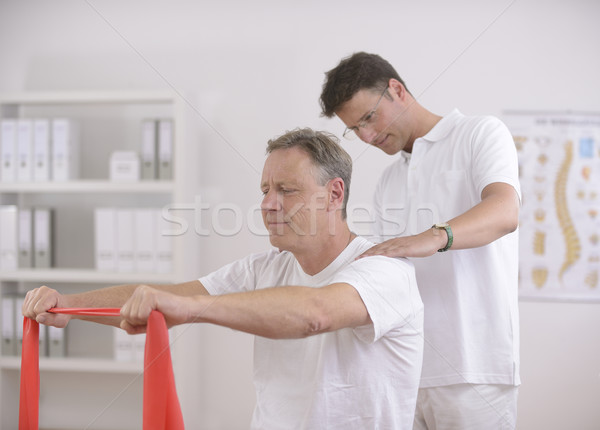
{"x": 39, "y": 300}
{"x": 284, "y": 312}
{"x": 495, "y": 216}
{"x": 117, "y": 296}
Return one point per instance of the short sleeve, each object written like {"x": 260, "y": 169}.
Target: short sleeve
{"x": 388, "y": 288}
{"x": 239, "y": 276}
{"x": 494, "y": 155}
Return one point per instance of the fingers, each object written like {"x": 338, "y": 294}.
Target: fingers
{"x": 38, "y": 301}
{"x": 387, "y": 249}
{"x": 421, "y": 245}
{"x": 131, "y": 329}
{"x": 136, "y": 310}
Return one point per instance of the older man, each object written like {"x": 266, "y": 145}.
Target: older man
{"x": 339, "y": 341}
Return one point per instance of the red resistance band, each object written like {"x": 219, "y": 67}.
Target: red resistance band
{"x": 161, "y": 405}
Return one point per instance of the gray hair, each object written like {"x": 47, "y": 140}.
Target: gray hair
{"x": 329, "y": 158}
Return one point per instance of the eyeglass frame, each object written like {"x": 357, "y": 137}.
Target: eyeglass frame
{"x": 366, "y": 118}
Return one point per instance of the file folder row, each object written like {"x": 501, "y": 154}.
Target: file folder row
{"x": 39, "y": 150}
{"x": 26, "y": 237}
{"x": 52, "y": 339}
{"x": 132, "y": 240}
{"x": 128, "y": 348}
{"x": 157, "y": 149}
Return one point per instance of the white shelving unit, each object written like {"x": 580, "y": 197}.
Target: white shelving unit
{"x": 109, "y": 121}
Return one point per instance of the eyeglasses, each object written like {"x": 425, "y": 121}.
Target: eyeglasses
{"x": 350, "y": 132}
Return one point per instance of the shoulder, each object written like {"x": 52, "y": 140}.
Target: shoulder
{"x": 481, "y": 125}
{"x": 377, "y": 264}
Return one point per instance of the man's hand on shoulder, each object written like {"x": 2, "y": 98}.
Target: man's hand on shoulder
{"x": 419, "y": 245}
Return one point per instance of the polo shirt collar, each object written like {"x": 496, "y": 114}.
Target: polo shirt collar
{"x": 443, "y": 127}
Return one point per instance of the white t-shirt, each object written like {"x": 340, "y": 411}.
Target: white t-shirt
{"x": 470, "y": 296}
{"x": 362, "y": 378}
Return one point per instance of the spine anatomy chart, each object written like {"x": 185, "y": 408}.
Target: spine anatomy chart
{"x": 559, "y": 229}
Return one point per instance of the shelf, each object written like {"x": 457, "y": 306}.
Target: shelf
{"x": 145, "y": 187}
{"x": 83, "y": 276}
{"x": 88, "y": 97}
{"x": 110, "y": 121}
{"x": 86, "y": 365}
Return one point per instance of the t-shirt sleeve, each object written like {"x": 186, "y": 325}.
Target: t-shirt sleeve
{"x": 494, "y": 155}
{"x": 388, "y": 288}
{"x": 239, "y": 276}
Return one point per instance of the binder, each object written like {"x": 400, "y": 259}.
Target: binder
{"x": 9, "y": 343}
{"x": 164, "y": 245}
{"x": 8, "y": 143}
{"x": 24, "y": 150}
{"x": 105, "y": 225}
{"x": 8, "y": 237}
{"x": 165, "y": 149}
{"x": 125, "y": 241}
{"x": 19, "y": 327}
{"x": 145, "y": 240}
{"x": 57, "y": 342}
{"x": 43, "y": 340}
{"x": 65, "y": 150}
{"x": 122, "y": 345}
{"x": 139, "y": 345}
{"x": 41, "y": 150}
{"x": 25, "y": 238}
{"x": 42, "y": 238}
{"x": 149, "y": 150}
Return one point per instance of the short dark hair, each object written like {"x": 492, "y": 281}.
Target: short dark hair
{"x": 327, "y": 155}
{"x": 354, "y": 73}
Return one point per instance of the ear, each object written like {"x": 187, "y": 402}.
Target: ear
{"x": 397, "y": 89}
{"x": 336, "y": 194}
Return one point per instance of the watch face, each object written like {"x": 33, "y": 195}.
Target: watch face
{"x": 442, "y": 225}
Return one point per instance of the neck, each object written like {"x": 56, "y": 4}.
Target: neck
{"x": 325, "y": 250}
{"x": 424, "y": 122}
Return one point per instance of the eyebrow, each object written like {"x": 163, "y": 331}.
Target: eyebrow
{"x": 284, "y": 183}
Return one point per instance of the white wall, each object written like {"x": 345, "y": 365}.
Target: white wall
{"x": 251, "y": 70}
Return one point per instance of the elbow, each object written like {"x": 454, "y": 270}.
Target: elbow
{"x": 316, "y": 321}
{"x": 512, "y": 220}
{"x": 512, "y": 224}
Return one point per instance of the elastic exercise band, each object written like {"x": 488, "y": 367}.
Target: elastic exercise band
{"x": 161, "y": 405}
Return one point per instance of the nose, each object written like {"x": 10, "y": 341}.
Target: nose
{"x": 367, "y": 134}
{"x": 270, "y": 201}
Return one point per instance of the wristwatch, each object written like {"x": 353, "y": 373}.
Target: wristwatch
{"x": 445, "y": 226}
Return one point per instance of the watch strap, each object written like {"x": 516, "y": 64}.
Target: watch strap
{"x": 448, "y": 232}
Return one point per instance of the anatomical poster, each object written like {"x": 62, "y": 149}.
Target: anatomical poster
{"x": 559, "y": 170}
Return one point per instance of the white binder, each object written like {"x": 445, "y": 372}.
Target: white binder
{"x": 8, "y": 237}
{"x": 8, "y": 146}
{"x": 105, "y": 224}
{"x": 125, "y": 240}
{"x": 65, "y": 150}
{"x": 42, "y": 238}
{"x": 149, "y": 150}
{"x": 9, "y": 343}
{"x": 57, "y": 342}
{"x": 165, "y": 149}
{"x": 25, "y": 238}
{"x": 24, "y": 150}
{"x": 145, "y": 240}
{"x": 164, "y": 245}
{"x": 41, "y": 150}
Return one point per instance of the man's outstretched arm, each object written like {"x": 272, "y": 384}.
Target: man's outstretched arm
{"x": 278, "y": 313}
{"x": 39, "y": 300}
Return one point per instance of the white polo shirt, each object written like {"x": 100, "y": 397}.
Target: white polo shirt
{"x": 362, "y": 378}
{"x": 470, "y": 296}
